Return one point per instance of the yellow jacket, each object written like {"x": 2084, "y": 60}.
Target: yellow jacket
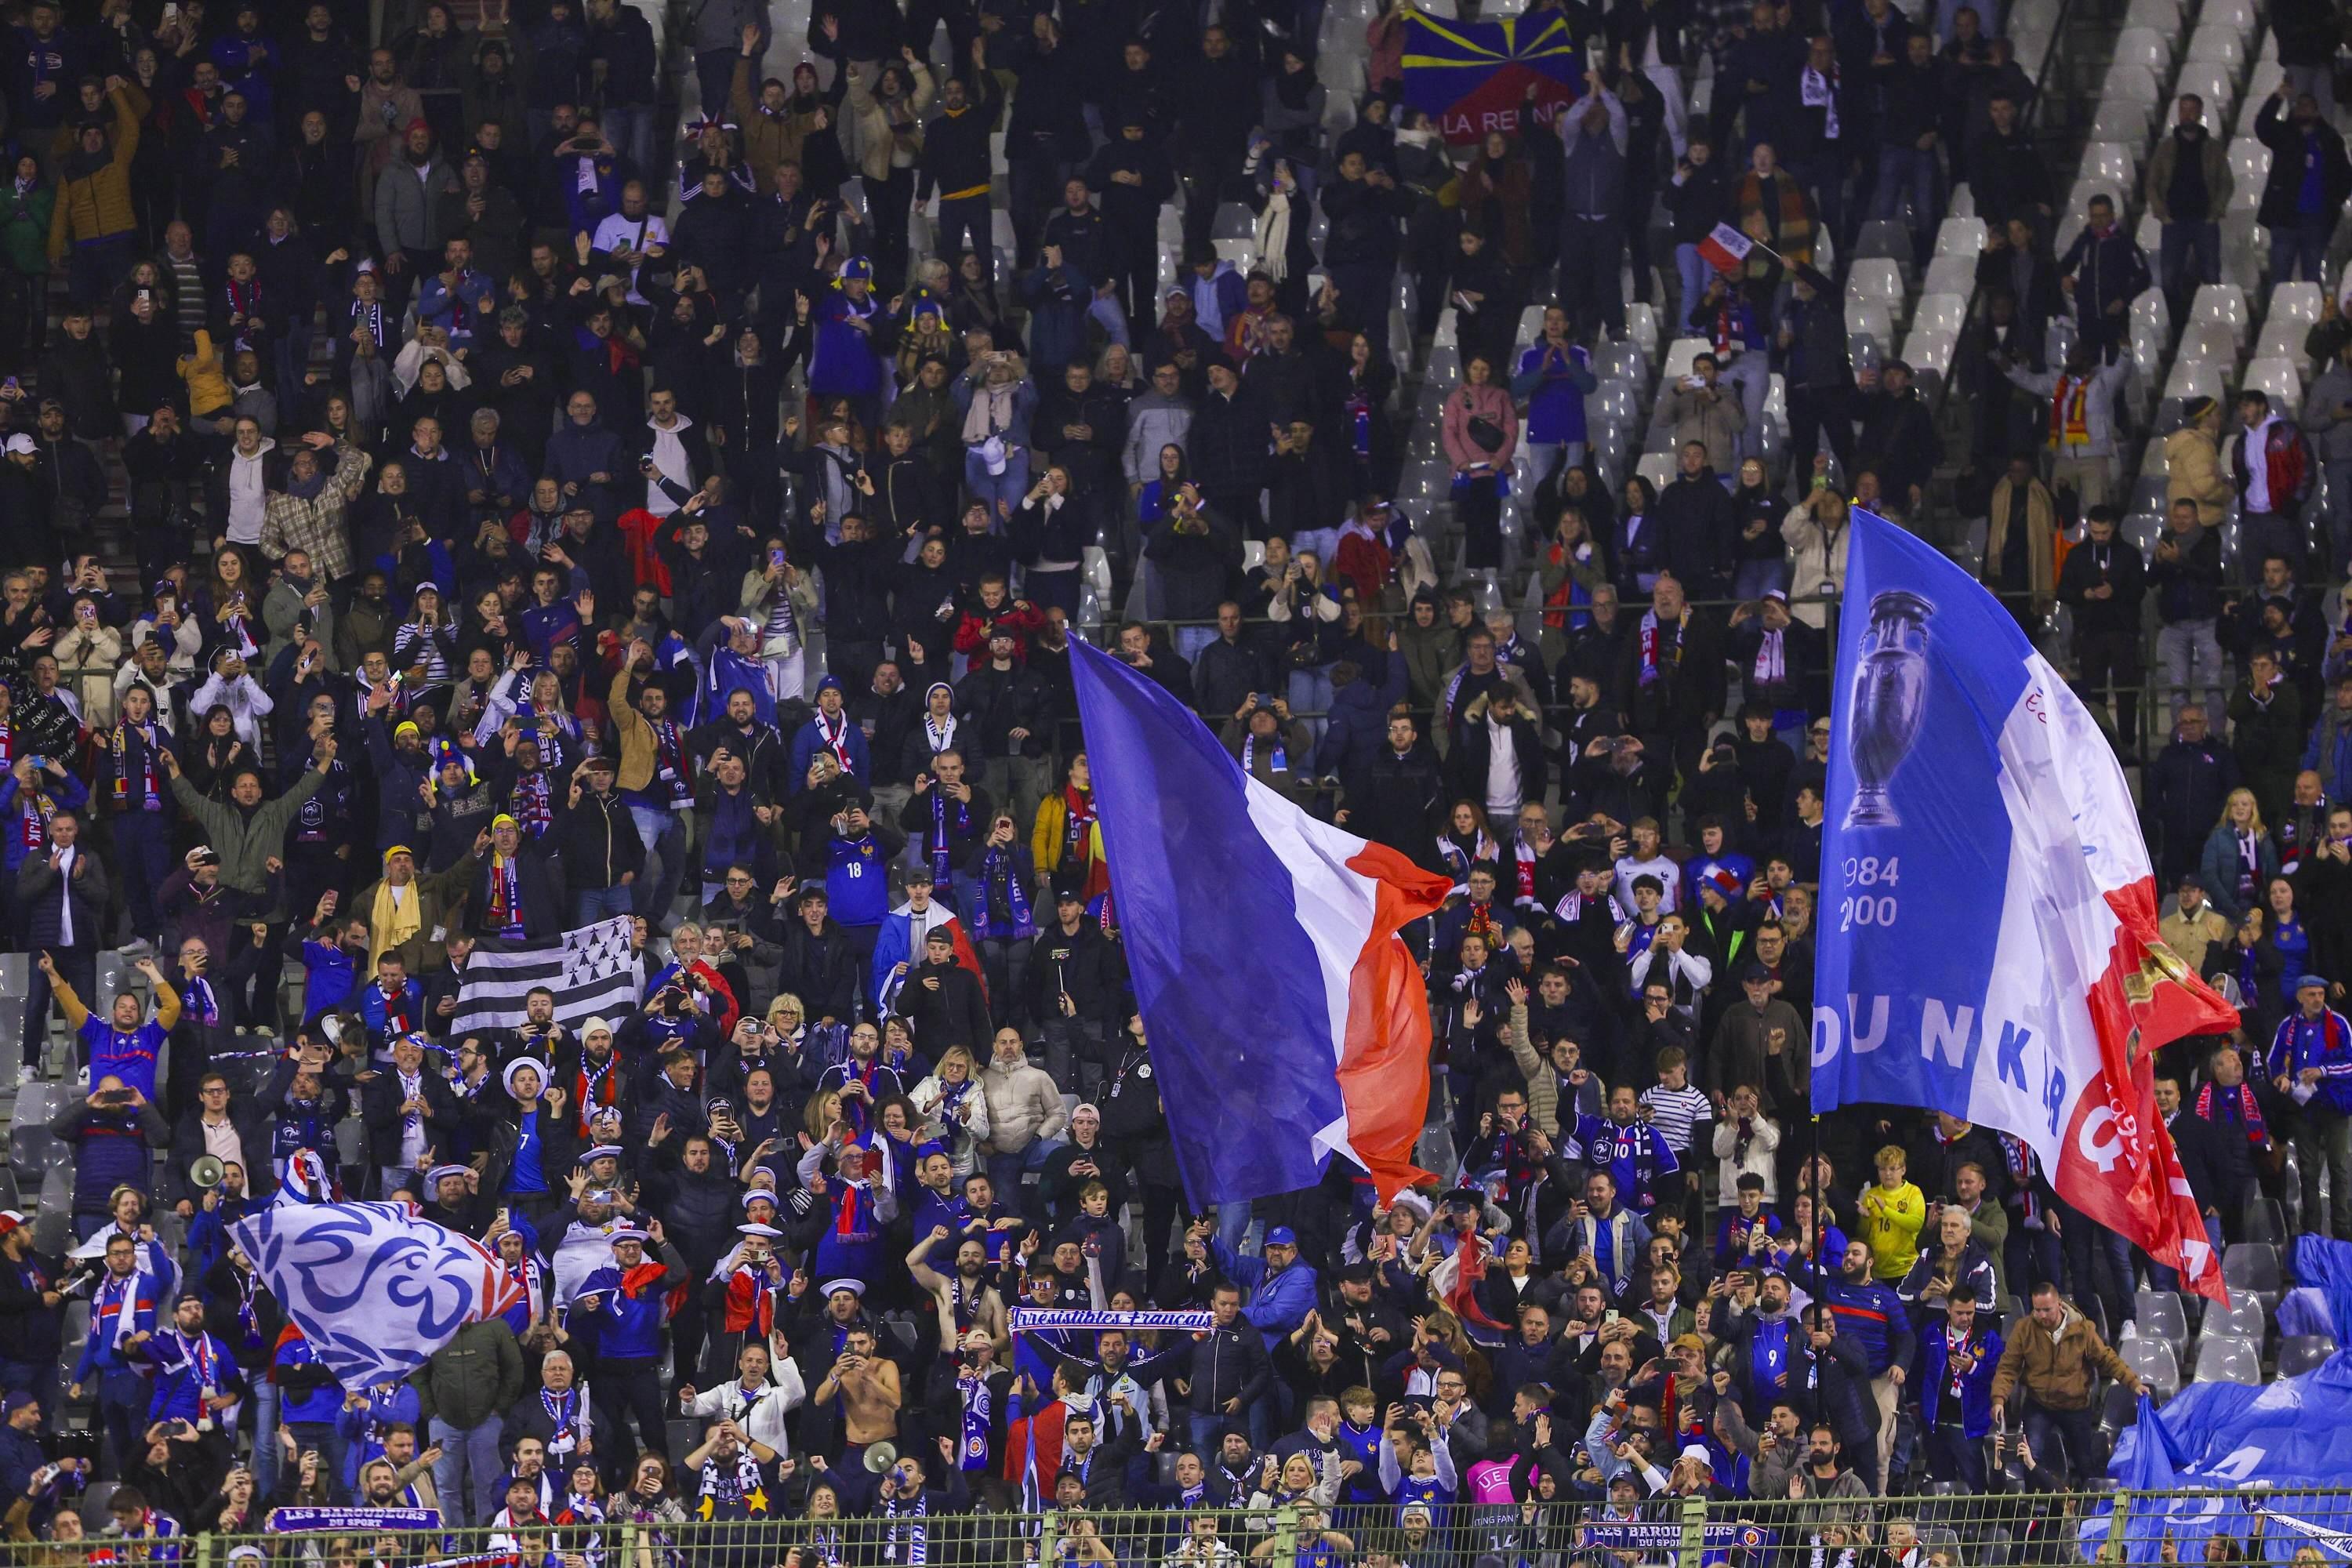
{"x": 1889, "y": 1224}
{"x": 207, "y": 381}
{"x": 2193, "y": 471}
{"x": 97, "y": 205}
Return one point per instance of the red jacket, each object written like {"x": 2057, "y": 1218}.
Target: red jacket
{"x": 2289, "y": 460}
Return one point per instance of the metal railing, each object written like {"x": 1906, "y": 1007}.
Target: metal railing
{"x": 1680, "y": 1528}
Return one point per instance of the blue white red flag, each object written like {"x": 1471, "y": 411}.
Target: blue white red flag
{"x": 375, "y": 1288}
{"x": 1988, "y": 916}
{"x": 1286, "y": 1020}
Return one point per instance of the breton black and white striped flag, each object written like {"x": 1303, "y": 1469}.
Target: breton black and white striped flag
{"x": 591, "y": 970}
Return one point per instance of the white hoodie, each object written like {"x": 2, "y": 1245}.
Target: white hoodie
{"x": 247, "y": 496}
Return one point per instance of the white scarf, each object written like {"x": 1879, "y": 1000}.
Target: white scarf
{"x": 991, "y": 413}
{"x": 1771, "y": 660}
{"x": 1274, "y": 237}
{"x": 669, "y": 463}
{"x": 1816, "y": 91}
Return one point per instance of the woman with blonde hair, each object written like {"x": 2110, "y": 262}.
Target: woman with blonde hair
{"x": 953, "y": 1109}
{"x": 2240, "y": 859}
{"x": 822, "y": 1111}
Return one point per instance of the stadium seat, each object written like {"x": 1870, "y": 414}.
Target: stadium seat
{"x": 2159, "y": 1315}
{"x": 2265, "y": 1221}
{"x": 2245, "y": 1318}
{"x": 2226, "y": 45}
{"x": 2154, "y": 1363}
{"x": 2118, "y": 1408}
{"x": 1876, "y": 280}
{"x": 2299, "y": 1354}
{"x": 1679, "y": 355}
{"x": 2278, "y": 377}
{"x": 2253, "y": 1267}
{"x": 2145, "y": 47}
{"x": 2227, "y": 1359}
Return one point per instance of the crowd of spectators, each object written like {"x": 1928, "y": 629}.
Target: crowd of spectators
{"x": 438, "y": 508}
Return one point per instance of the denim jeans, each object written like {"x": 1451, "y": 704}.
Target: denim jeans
{"x": 596, "y": 904}
{"x": 2188, "y": 254}
{"x": 468, "y": 1470}
{"x": 1753, "y": 577}
{"x": 1190, "y": 640}
{"x": 630, "y": 127}
{"x": 2301, "y": 247}
{"x": 2191, "y": 659}
{"x": 1903, "y": 170}
{"x": 1000, "y": 492}
{"x": 1693, "y": 270}
{"x": 1005, "y": 1171}
{"x": 664, "y": 836}
{"x": 265, "y": 1435}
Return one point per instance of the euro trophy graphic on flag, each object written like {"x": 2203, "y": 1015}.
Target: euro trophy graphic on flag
{"x": 1890, "y": 687}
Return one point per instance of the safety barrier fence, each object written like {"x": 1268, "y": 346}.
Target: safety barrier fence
{"x": 799, "y": 1527}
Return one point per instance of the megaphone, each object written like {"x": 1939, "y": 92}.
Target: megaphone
{"x": 880, "y": 1456}
{"x": 207, "y": 1171}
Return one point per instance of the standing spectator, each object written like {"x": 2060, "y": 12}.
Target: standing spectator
{"x": 2188, "y": 191}
{"x": 2102, "y": 273}
{"x": 2102, "y": 582}
{"x": 2309, "y": 181}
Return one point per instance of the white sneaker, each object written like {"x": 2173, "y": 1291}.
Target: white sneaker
{"x": 28, "y": 1075}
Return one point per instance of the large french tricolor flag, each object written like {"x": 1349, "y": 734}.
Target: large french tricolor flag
{"x": 1988, "y": 925}
{"x": 1287, "y": 1021}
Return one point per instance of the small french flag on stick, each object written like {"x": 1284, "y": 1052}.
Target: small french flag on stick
{"x": 1726, "y": 248}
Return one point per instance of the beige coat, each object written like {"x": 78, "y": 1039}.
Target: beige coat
{"x": 2193, "y": 471}
{"x": 1818, "y": 554}
{"x": 873, "y": 121}
{"x": 97, "y": 652}
{"x": 1023, "y": 1106}
{"x": 2040, "y": 546}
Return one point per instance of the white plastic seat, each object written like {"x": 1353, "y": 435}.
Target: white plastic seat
{"x": 2250, "y": 167}
{"x": 1642, "y": 326}
{"x": 1876, "y": 278}
{"x": 2211, "y": 342}
{"x": 1961, "y": 237}
{"x": 2159, "y": 17}
{"x": 2224, "y": 302}
{"x": 1870, "y": 319}
{"x": 2145, "y": 45}
{"x": 1939, "y": 314}
{"x": 2111, "y": 160}
{"x": 1658, "y": 468}
{"x": 2123, "y": 120}
{"x": 2133, "y": 82}
{"x": 2225, "y": 1359}
{"x": 2196, "y": 378}
{"x": 1954, "y": 275}
{"x": 2237, "y": 15}
{"x": 1680, "y": 353}
{"x": 2278, "y": 377}
{"x": 2297, "y": 302}
{"x": 2226, "y": 45}
{"x": 2260, "y": 83}
{"x": 2215, "y": 84}
{"x": 2156, "y": 1363}
{"x": 1929, "y": 351}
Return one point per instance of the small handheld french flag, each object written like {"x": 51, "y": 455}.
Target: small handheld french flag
{"x": 1726, "y": 248}
{"x": 1286, "y": 1018}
